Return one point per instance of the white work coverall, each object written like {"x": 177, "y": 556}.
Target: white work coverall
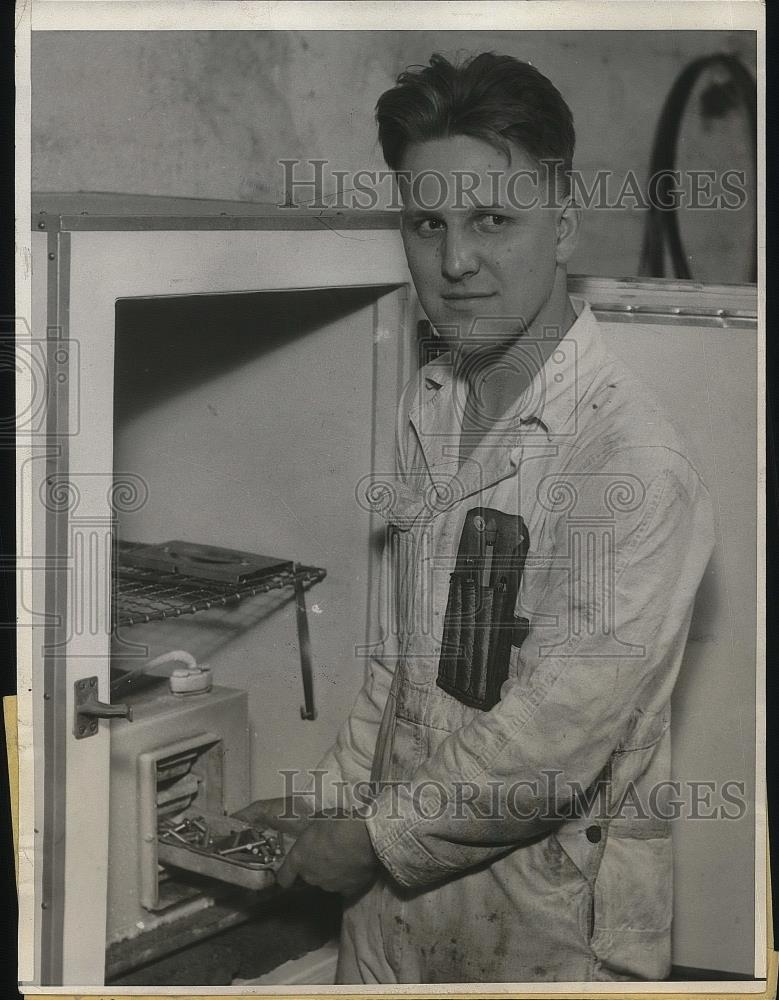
{"x": 477, "y": 883}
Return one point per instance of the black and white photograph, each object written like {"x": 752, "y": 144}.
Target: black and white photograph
{"x": 390, "y": 498}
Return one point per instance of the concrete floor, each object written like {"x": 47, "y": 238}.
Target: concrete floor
{"x": 289, "y": 929}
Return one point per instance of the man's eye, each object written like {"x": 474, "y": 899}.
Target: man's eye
{"x": 490, "y": 221}
{"x": 428, "y": 227}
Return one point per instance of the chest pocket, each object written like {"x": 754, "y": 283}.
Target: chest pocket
{"x": 479, "y": 625}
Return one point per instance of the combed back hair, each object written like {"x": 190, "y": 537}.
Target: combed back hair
{"x": 495, "y": 98}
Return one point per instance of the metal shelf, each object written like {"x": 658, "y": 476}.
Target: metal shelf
{"x": 143, "y": 595}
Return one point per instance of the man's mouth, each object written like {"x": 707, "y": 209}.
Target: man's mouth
{"x": 465, "y": 296}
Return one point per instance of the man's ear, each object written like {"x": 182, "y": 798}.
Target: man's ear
{"x": 567, "y": 230}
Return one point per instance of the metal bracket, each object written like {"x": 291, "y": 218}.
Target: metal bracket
{"x": 87, "y": 709}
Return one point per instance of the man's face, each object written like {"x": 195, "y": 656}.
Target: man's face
{"x": 475, "y": 253}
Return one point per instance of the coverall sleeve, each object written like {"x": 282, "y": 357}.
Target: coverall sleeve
{"x": 570, "y": 705}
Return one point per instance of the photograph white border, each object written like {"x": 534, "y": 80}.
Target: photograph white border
{"x": 179, "y": 15}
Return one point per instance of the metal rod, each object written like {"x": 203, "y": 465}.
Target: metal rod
{"x": 178, "y": 836}
{"x": 242, "y": 847}
{"x": 307, "y": 710}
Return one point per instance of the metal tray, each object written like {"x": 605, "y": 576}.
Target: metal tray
{"x": 205, "y": 861}
{"x": 204, "y": 562}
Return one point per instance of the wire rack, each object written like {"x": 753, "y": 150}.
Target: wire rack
{"x": 148, "y": 595}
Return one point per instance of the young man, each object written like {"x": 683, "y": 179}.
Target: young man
{"x": 548, "y": 535}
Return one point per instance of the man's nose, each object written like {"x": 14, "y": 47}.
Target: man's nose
{"x": 460, "y": 257}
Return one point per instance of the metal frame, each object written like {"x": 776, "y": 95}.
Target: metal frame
{"x": 674, "y": 301}
{"x": 101, "y": 212}
{"x": 56, "y": 728}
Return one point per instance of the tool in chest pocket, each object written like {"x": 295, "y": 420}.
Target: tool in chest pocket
{"x": 480, "y": 626}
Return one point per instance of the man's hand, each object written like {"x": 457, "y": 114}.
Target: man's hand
{"x": 289, "y": 814}
{"x": 335, "y": 853}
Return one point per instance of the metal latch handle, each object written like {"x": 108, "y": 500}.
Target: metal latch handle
{"x": 88, "y": 708}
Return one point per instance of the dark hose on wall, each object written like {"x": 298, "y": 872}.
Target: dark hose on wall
{"x": 662, "y": 225}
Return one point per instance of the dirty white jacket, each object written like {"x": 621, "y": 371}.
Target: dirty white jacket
{"x": 519, "y": 751}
